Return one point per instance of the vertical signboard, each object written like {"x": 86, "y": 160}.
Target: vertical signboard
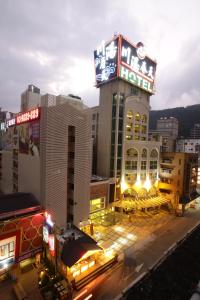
{"x": 105, "y": 60}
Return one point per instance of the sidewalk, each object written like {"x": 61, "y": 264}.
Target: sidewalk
{"x": 29, "y": 282}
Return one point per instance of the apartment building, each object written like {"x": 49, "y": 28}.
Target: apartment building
{"x": 178, "y": 176}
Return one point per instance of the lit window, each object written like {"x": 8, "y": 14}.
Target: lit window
{"x": 129, "y": 114}
{"x": 144, "y": 119}
{"x": 129, "y": 137}
{"x": 137, "y": 117}
{"x": 137, "y": 128}
{"x": 97, "y": 204}
{"x": 143, "y": 129}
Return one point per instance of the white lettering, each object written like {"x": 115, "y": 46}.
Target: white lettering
{"x": 126, "y": 52}
{"x": 111, "y": 51}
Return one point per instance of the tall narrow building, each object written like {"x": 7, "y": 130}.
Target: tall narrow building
{"x": 125, "y": 76}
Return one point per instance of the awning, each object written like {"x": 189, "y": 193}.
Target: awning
{"x": 73, "y": 250}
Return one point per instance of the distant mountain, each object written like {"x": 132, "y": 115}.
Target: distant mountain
{"x": 187, "y": 117}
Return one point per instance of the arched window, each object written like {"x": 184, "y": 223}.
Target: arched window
{"x": 132, "y": 153}
{"x": 154, "y": 153}
{"x": 129, "y": 114}
{"x": 144, "y": 153}
{"x": 137, "y": 117}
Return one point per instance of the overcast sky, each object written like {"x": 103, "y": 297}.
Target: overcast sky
{"x": 50, "y": 43}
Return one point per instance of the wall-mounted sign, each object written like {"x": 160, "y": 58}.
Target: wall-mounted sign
{"x": 48, "y": 219}
{"x": 31, "y": 115}
{"x": 45, "y": 234}
{"x": 120, "y": 58}
{"x": 52, "y": 244}
{"x": 11, "y": 122}
{"x": 105, "y": 59}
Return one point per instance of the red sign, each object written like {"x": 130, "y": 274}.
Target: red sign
{"x": 31, "y": 115}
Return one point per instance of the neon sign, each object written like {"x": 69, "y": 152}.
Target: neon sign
{"x": 11, "y": 122}
{"x": 120, "y": 58}
{"x": 105, "y": 58}
{"x": 49, "y": 220}
{"x": 51, "y": 244}
{"x": 31, "y": 115}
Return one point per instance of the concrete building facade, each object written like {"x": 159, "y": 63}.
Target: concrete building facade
{"x": 49, "y": 155}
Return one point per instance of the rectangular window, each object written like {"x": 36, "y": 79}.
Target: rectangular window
{"x": 143, "y": 165}
{"x": 113, "y": 124}
{"x": 153, "y": 164}
{"x": 113, "y": 137}
{"x": 97, "y": 204}
{"x": 7, "y": 249}
{"x": 93, "y": 127}
{"x": 93, "y": 117}
{"x": 119, "y": 164}
{"x": 131, "y": 165}
{"x": 119, "y": 137}
{"x": 120, "y": 125}
{"x": 119, "y": 154}
{"x": 121, "y": 111}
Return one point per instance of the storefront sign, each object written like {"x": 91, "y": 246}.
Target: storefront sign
{"x": 45, "y": 234}
{"x": 52, "y": 244}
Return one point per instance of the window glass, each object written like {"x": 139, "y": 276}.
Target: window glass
{"x": 144, "y": 153}
{"x": 137, "y": 117}
{"x": 129, "y": 114}
{"x": 153, "y": 164}
{"x": 154, "y": 153}
{"x": 132, "y": 152}
{"x": 143, "y": 165}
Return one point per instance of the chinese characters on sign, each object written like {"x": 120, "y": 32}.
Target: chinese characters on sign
{"x": 105, "y": 58}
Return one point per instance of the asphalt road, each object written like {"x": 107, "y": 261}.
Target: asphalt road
{"x": 144, "y": 255}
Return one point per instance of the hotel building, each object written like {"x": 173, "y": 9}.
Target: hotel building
{"x": 125, "y": 77}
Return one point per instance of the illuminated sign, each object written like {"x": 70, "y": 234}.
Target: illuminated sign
{"x": 105, "y": 59}
{"x": 11, "y": 122}
{"x": 45, "y": 234}
{"x": 31, "y": 115}
{"x": 48, "y": 219}
{"x": 135, "y": 79}
{"x": 3, "y": 126}
{"x": 51, "y": 242}
{"x": 120, "y": 58}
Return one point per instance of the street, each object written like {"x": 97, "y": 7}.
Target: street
{"x": 146, "y": 253}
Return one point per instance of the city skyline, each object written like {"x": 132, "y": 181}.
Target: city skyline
{"x": 52, "y": 47}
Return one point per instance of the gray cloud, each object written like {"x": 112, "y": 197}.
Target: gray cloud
{"x": 50, "y": 44}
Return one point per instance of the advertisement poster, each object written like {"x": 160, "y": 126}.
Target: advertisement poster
{"x": 29, "y": 138}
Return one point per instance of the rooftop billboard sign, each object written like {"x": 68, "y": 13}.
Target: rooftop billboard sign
{"x": 119, "y": 58}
